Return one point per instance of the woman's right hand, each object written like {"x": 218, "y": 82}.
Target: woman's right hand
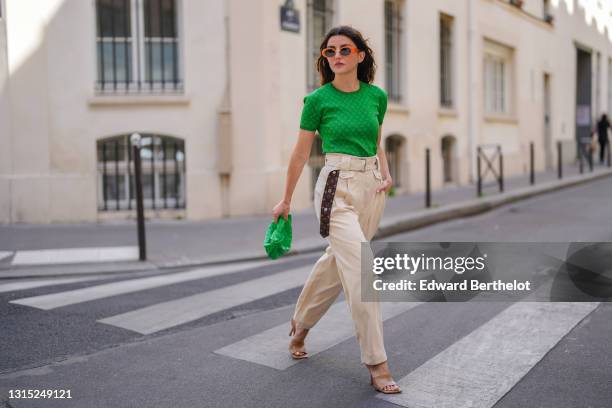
{"x": 281, "y": 208}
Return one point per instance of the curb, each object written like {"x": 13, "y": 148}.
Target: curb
{"x": 391, "y": 226}
{"x": 76, "y": 269}
{"x": 388, "y": 226}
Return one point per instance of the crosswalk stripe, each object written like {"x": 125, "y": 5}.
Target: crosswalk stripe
{"x": 173, "y": 313}
{"x": 75, "y": 255}
{"x": 54, "y": 300}
{"x": 38, "y": 283}
{"x": 270, "y": 347}
{"x": 479, "y": 369}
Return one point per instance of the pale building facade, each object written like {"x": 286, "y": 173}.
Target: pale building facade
{"x": 215, "y": 89}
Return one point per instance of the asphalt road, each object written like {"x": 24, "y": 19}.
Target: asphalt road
{"x": 509, "y": 354}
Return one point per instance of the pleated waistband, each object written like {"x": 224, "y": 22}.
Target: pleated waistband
{"x": 344, "y": 161}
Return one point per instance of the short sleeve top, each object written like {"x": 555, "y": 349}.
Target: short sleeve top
{"x": 347, "y": 122}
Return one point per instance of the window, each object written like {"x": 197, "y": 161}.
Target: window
{"x": 137, "y": 46}
{"x": 446, "y": 68}
{"x": 494, "y": 84}
{"x": 498, "y": 78}
{"x": 545, "y": 8}
{"x": 448, "y": 146}
{"x": 394, "y": 145}
{"x": 319, "y": 20}
{"x": 393, "y": 34}
{"x": 163, "y": 173}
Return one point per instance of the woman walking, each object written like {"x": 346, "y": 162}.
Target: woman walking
{"x": 350, "y": 193}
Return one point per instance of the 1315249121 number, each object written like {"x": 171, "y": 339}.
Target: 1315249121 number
{"x": 28, "y": 393}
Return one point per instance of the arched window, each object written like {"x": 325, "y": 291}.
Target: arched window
{"x": 393, "y": 150}
{"x": 163, "y": 173}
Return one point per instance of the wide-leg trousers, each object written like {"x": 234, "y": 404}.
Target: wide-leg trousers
{"x": 354, "y": 218}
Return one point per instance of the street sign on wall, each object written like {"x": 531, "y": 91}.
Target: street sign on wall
{"x": 289, "y": 17}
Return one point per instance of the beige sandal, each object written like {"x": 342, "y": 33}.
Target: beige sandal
{"x": 384, "y": 389}
{"x": 296, "y": 354}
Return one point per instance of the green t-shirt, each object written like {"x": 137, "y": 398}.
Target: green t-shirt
{"x": 347, "y": 122}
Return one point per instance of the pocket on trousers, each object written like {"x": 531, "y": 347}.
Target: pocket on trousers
{"x": 343, "y": 183}
{"x": 378, "y": 180}
{"x": 345, "y": 174}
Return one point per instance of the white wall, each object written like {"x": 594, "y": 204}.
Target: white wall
{"x": 50, "y": 118}
{"x": 6, "y": 163}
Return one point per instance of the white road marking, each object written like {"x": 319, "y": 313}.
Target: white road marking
{"x": 38, "y": 283}
{"x": 173, "y": 313}
{"x": 75, "y": 255}
{"x": 54, "y": 300}
{"x": 479, "y": 369}
{"x": 270, "y": 347}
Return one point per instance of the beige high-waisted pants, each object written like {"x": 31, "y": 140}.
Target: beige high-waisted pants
{"x": 355, "y": 215}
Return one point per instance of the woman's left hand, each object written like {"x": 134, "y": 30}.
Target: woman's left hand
{"x": 385, "y": 185}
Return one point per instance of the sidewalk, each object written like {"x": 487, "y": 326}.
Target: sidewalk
{"x": 180, "y": 243}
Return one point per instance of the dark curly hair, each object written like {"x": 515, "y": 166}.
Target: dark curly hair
{"x": 366, "y": 68}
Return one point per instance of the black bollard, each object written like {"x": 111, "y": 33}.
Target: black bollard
{"x": 479, "y": 179}
{"x": 501, "y": 170}
{"x": 142, "y": 246}
{"x": 559, "y": 163}
{"x": 427, "y": 179}
{"x": 531, "y": 163}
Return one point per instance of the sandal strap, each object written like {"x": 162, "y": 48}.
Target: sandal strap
{"x": 383, "y": 377}
{"x": 388, "y": 387}
{"x": 390, "y": 384}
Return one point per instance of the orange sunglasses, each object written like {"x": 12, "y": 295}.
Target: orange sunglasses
{"x": 345, "y": 51}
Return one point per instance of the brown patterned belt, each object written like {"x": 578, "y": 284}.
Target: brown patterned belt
{"x": 327, "y": 200}
{"x": 341, "y": 162}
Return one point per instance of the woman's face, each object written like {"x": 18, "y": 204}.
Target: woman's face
{"x": 341, "y": 64}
